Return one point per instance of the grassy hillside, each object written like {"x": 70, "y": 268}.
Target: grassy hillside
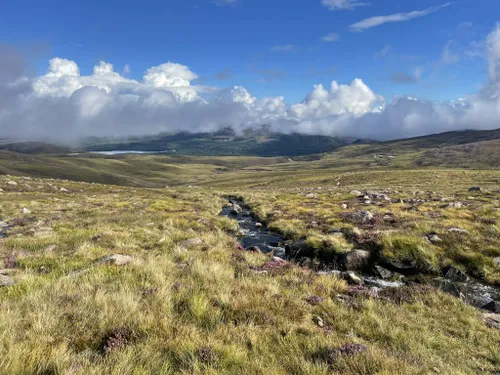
{"x": 202, "y": 306}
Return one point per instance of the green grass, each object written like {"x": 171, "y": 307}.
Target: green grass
{"x": 202, "y": 310}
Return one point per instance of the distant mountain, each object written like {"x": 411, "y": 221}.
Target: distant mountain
{"x": 259, "y": 142}
{"x": 34, "y": 148}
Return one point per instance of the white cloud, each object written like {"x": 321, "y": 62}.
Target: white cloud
{"x": 283, "y": 48}
{"x": 332, "y": 37}
{"x": 126, "y": 69}
{"x": 398, "y": 17}
{"x": 343, "y": 4}
{"x": 65, "y": 106}
{"x": 356, "y": 98}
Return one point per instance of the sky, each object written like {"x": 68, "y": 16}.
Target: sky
{"x": 370, "y": 68}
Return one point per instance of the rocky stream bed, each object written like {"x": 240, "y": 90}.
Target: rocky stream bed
{"x": 358, "y": 267}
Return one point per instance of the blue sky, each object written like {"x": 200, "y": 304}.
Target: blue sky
{"x": 271, "y": 47}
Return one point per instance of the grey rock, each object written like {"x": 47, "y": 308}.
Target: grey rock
{"x": 362, "y": 216}
{"x": 496, "y": 261}
{"x": 190, "y": 243}
{"x": 116, "y": 260}
{"x": 6, "y": 281}
{"x": 318, "y": 321}
{"x": 493, "y": 307}
{"x": 454, "y": 274}
{"x": 279, "y": 252}
{"x": 458, "y": 230}
{"x": 64, "y": 190}
{"x": 352, "y": 278}
{"x": 475, "y": 189}
{"x": 258, "y": 225}
{"x": 343, "y": 206}
{"x": 383, "y": 284}
{"x": 356, "y": 193}
{"x": 382, "y": 272}
{"x": 335, "y": 273}
{"x": 26, "y": 211}
{"x": 356, "y": 260}
{"x": 454, "y": 205}
{"x": 12, "y": 183}
{"x": 434, "y": 238}
{"x": 236, "y": 210}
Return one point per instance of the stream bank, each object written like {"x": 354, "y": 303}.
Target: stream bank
{"x": 357, "y": 266}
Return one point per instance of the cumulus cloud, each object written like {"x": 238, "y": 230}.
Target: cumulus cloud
{"x": 343, "y": 4}
{"x": 368, "y": 23}
{"x": 65, "y": 106}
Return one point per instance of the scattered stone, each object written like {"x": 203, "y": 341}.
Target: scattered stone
{"x": 475, "y": 189}
{"x": 314, "y": 300}
{"x": 496, "y": 261}
{"x": 318, "y": 321}
{"x": 344, "y": 206}
{"x": 362, "y": 216}
{"x": 116, "y": 260}
{"x": 383, "y": 284}
{"x": 64, "y": 190}
{"x": 456, "y": 205}
{"x": 236, "y": 210}
{"x": 6, "y": 281}
{"x": 352, "y": 278}
{"x": 458, "y": 230}
{"x": 12, "y": 183}
{"x": 356, "y": 193}
{"x": 3, "y": 224}
{"x": 434, "y": 238}
{"x": 367, "y": 202}
{"x": 356, "y": 260}
{"x": 454, "y": 274}
{"x": 190, "y": 243}
{"x": 26, "y": 211}
{"x": 335, "y": 273}
{"x": 382, "y": 272}
{"x": 258, "y": 225}
{"x": 7, "y": 271}
{"x": 259, "y": 272}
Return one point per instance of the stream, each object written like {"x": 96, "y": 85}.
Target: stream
{"x": 256, "y": 236}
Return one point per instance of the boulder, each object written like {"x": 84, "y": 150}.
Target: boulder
{"x": 356, "y": 193}
{"x": 279, "y": 252}
{"x": 493, "y": 307}
{"x": 64, "y": 190}
{"x": 236, "y": 210}
{"x": 299, "y": 249}
{"x": 116, "y": 260}
{"x": 355, "y": 260}
{"x": 190, "y": 243}
{"x": 362, "y": 216}
{"x": 6, "y": 281}
{"x": 26, "y": 211}
{"x": 454, "y": 274}
{"x": 434, "y": 238}
{"x": 343, "y": 206}
{"x": 12, "y": 183}
{"x": 352, "y": 278}
{"x": 475, "y": 189}
{"x": 496, "y": 261}
{"x": 258, "y": 225}
{"x": 382, "y": 272}
{"x": 383, "y": 284}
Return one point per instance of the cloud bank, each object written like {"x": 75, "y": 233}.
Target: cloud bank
{"x": 65, "y": 106}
